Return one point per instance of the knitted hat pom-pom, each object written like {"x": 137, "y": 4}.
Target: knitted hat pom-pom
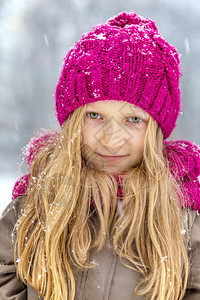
{"x": 131, "y": 18}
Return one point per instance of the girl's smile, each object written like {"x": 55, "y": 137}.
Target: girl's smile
{"x": 112, "y": 158}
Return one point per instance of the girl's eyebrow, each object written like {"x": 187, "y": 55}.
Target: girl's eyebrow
{"x": 140, "y": 113}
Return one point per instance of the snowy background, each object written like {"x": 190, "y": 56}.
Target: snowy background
{"x": 36, "y": 35}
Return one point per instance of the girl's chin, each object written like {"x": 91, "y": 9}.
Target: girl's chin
{"x": 113, "y": 171}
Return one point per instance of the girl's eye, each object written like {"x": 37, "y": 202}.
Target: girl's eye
{"x": 136, "y": 119}
{"x": 93, "y": 114}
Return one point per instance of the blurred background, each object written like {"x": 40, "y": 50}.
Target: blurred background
{"x": 35, "y": 35}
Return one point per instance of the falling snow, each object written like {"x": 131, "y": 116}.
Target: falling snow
{"x": 164, "y": 258}
{"x": 46, "y": 40}
{"x": 183, "y": 231}
{"x": 187, "y": 46}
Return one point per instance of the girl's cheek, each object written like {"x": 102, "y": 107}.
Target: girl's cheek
{"x": 134, "y": 131}
{"x": 89, "y": 135}
{"x": 138, "y": 128}
{"x": 85, "y": 135}
{"x": 91, "y": 124}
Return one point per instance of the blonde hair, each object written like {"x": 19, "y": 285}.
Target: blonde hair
{"x": 53, "y": 237}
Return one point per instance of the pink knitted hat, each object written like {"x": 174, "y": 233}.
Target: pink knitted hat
{"x": 124, "y": 59}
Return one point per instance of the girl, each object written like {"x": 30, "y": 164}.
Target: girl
{"x": 108, "y": 208}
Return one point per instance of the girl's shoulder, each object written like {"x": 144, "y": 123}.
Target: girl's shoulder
{"x": 14, "y": 209}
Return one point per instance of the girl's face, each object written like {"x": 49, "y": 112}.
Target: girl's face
{"x": 112, "y": 129}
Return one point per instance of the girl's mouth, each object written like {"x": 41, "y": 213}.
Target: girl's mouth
{"x": 112, "y": 158}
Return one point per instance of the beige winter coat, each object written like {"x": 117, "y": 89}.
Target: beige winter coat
{"x": 110, "y": 280}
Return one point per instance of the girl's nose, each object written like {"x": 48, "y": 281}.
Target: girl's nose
{"x": 113, "y": 137}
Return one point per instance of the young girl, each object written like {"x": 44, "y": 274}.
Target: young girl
{"x": 108, "y": 209}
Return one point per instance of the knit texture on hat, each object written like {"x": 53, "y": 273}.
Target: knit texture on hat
{"x": 124, "y": 59}
{"x": 183, "y": 157}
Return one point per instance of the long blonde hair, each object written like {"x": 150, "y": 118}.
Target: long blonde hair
{"x": 53, "y": 236}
